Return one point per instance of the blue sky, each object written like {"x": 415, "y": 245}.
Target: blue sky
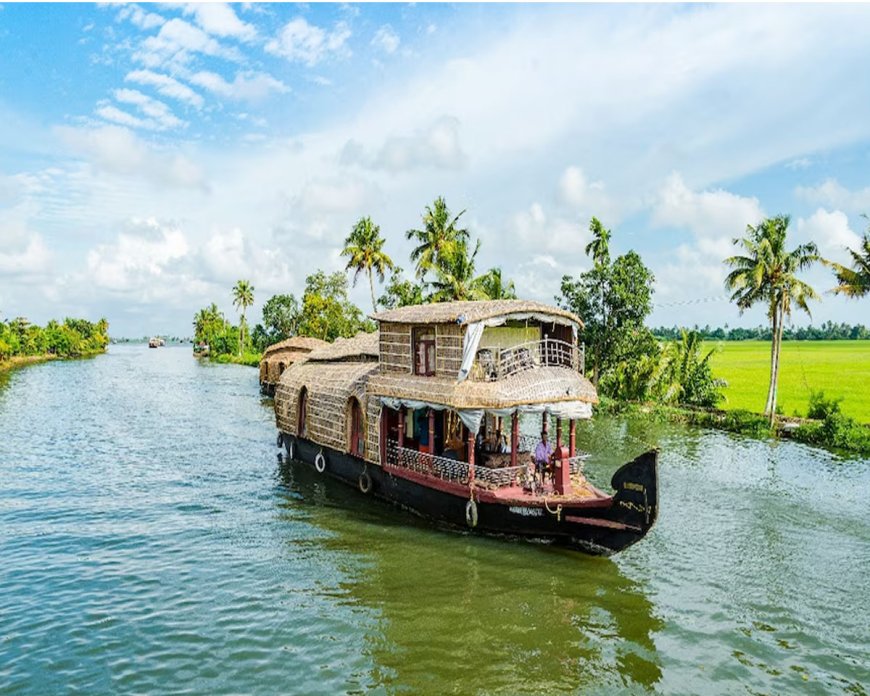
{"x": 152, "y": 155}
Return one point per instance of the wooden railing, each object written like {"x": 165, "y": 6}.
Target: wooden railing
{"x": 492, "y": 364}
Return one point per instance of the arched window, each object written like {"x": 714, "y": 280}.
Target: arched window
{"x": 356, "y": 431}
{"x": 302, "y": 412}
{"x": 281, "y": 367}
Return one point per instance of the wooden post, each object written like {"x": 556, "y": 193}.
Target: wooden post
{"x": 515, "y": 437}
{"x": 401, "y": 427}
{"x": 571, "y": 438}
{"x": 431, "y": 431}
{"x": 558, "y": 432}
{"x": 470, "y": 457}
{"x": 545, "y": 423}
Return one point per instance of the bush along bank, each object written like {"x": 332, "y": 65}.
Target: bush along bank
{"x": 827, "y": 428}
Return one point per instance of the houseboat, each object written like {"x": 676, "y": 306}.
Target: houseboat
{"x": 425, "y": 413}
{"x": 279, "y": 356}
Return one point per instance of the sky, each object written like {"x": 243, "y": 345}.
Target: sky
{"x": 152, "y": 155}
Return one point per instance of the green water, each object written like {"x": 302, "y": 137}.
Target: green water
{"x": 151, "y": 542}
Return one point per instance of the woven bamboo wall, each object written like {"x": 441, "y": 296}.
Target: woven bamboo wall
{"x": 330, "y": 386}
{"x": 448, "y": 349}
{"x": 395, "y": 345}
{"x": 373, "y": 434}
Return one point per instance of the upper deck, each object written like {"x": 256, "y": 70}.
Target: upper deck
{"x": 484, "y": 341}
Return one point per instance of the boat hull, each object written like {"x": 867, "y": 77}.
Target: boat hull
{"x": 597, "y": 527}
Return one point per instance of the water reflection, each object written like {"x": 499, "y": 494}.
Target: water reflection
{"x": 461, "y": 613}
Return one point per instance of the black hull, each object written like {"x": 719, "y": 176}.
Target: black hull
{"x": 595, "y": 530}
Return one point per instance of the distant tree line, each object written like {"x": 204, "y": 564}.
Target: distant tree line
{"x": 828, "y": 331}
{"x": 71, "y": 339}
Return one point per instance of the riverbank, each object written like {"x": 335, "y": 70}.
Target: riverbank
{"x": 835, "y": 431}
{"x": 21, "y": 360}
{"x": 249, "y": 359}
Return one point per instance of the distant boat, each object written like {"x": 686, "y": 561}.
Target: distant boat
{"x": 156, "y": 342}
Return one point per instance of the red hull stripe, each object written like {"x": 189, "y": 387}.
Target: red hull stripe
{"x": 598, "y": 522}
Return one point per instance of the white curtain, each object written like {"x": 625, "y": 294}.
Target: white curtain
{"x": 469, "y": 348}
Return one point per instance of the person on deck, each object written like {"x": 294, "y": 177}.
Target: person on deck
{"x": 543, "y": 453}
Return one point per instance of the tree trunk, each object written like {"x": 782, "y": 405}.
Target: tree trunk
{"x": 776, "y": 370}
{"x": 241, "y": 333}
{"x": 769, "y": 405}
{"x": 372, "y": 288}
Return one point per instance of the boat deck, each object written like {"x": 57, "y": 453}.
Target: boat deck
{"x": 582, "y": 493}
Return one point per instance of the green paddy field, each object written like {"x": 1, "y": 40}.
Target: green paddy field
{"x": 840, "y": 368}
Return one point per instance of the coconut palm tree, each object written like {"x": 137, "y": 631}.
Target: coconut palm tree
{"x": 438, "y": 239}
{"x": 765, "y": 273}
{"x": 599, "y": 247}
{"x": 243, "y": 297}
{"x": 364, "y": 249}
{"x": 495, "y": 288}
{"x": 855, "y": 281}
{"x": 456, "y": 279}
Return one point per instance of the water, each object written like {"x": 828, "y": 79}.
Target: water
{"x": 150, "y": 542}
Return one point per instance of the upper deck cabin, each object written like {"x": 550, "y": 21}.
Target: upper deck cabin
{"x": 482, "y": 341}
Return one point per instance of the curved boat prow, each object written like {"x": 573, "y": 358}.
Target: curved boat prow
{"x": 635, "y": 501}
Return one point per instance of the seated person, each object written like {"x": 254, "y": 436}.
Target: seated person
{"x": 500, "y": 443}
{"x": 543, "y": 452}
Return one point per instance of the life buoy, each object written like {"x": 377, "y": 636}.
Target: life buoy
{"x": 471, "y": 514}
{"x": 320, "y": 462}
{"x": 365, "y": 481}
{"x": 291, "y": 449}
{"x": 280, "y": 442}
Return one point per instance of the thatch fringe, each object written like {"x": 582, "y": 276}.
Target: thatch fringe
{"x": 468, "y": 312}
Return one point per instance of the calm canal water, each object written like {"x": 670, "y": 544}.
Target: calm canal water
{"x": 150, "y": 542}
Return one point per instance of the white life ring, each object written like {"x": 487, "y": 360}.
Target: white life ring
{"x": 320, "y": 462}
{"x": 291, "y": 449}
{"x": 471, "y": 514}
{"x": 365, "y": 481}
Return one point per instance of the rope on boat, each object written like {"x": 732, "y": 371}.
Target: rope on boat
{"x": 557, "y": 512}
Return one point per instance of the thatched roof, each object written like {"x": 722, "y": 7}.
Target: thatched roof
{"x": 297, "y": 343}
{"x": 470, "y": 312}
{"x": 362, "y": 347}
{"x": 541, "y": 385}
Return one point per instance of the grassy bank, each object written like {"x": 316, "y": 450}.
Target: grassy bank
{"x": 839, "y": 368}
{"x": 835, "y": 431}
{"x": 250, "y": 359}
{"x": 22, "y": 360}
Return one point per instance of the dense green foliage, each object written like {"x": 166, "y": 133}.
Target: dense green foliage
{"x": 854, "y": 280}
{"x": 401, "y": 292}
{"x": 71, "y": 339}
{"x": 327, "y": 313}
{"x": 243, "y": 297}
{"x": 828, "y": 331}
{"x": 614, "y": 298}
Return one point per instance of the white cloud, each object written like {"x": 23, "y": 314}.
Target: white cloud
{"x": 830, "y": 231}
{"x": 175, "y": 43}
{"x": 119, "y": 151}
{"x": 141, "y": 18}
{"x": 166, "y": 85}
{"x": 153, "y": 108}
{"x": 138, "y": 258}
{"x": 835, "y": 195}
{"x": 31, "y": 261}
{"x": 247, "y": 86}
{"x": 437, "y": 146}
{"x": 219, "y": 19}
{"x": 533, "y": 231}
{"x": 588, "y": 198}
{"x": 711, "y": 215}
{"x": 116, "y": 115}
{"x": 307, "y": 43}
{"x": 386, "y": 39}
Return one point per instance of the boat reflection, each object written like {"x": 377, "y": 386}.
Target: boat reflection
{"x": 462, "y": 614}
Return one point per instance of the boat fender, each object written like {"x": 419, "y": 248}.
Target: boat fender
{"x": 320, "y": 462}
{"x": 280, "y": 442}
{"x": 365, "y": 481}
{"x": 471, "y": 514}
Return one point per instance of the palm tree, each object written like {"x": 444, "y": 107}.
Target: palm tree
{"x": 438, "y": 239}
{"x": 599, "y": 247}
{"x": 243, "y": 297}
{"x": 364, "y": 249}
{"x": 855, "y": 281}
{"x": 766, "y": 273}
{"x": 495, "y": 288}
{"x": 456, "y": 279}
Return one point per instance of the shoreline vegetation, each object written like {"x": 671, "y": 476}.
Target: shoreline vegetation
{"x": 23, "y": 343}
